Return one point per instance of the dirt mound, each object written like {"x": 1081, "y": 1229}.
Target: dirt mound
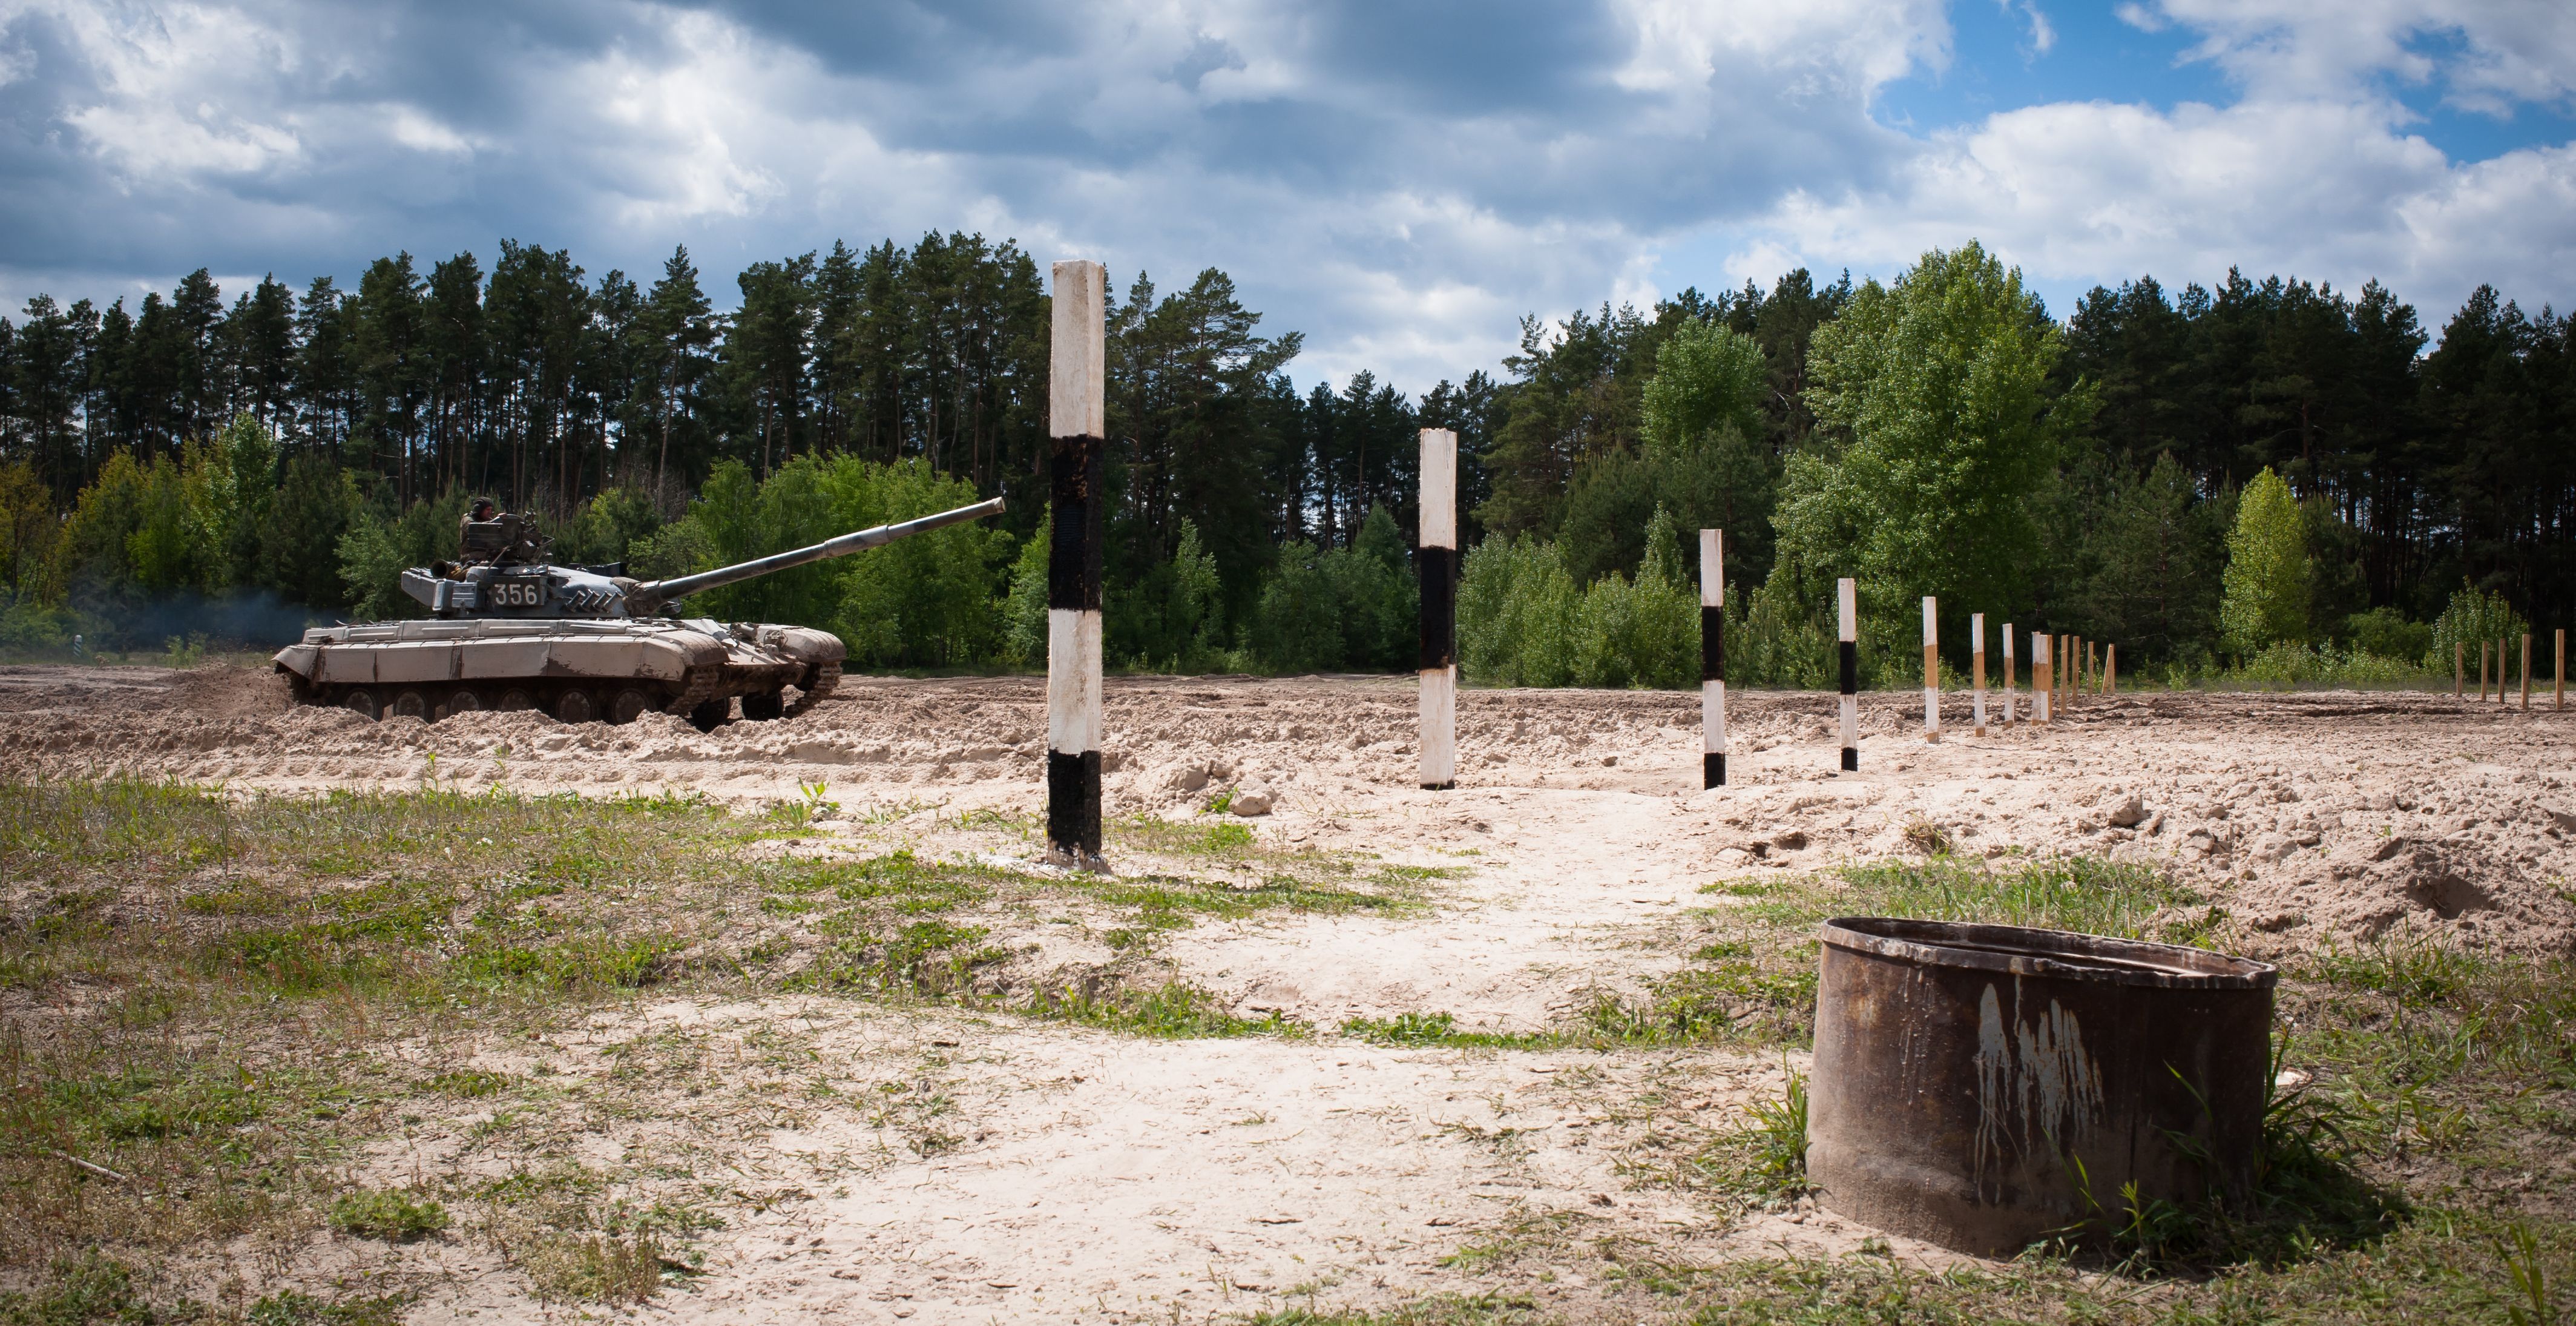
{"x": 2348, "y": 816}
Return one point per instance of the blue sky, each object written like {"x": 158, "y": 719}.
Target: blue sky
{"x": 1401, "y": 182}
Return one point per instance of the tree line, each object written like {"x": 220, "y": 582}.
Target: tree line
{"x": 1941, "y": 431}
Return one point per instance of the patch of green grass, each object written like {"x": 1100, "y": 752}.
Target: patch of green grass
{"x": 929, "y": 958}
{"x": 90, "y": 1289}
{"x": 1443, "y": 1310}
{"x": 593, "y": 962}
{"x": 290, "y": 1308}
{"x": 386, "y": 1214}
{"x": 1427, "y": 1029}
{"x": 1171, "y": 902}
{"x": 2079, "y": 893}
{"x": 596, "y": 1268}
{"x": 469, "y": 1083}
{"x": 1149, "y": 833}
{"x": 1174, "y": 1010}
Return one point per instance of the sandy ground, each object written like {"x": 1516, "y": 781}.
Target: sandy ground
{"x": 1110, "y": 1178}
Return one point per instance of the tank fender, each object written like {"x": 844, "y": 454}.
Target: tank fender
{"x": 298, "y": 659}
{"x": 664, "y": 656}
{"x": 803, "y": 643}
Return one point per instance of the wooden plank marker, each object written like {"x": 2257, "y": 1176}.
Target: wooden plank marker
{"x": 2110, "y": 669}
{"x": 2526, "y": 672}
{"x": 1931, "y": 670}
{"x": 2008, "y": 675}
{"x": 2562, "y": 667}
{"x": 1439, "y": 609}
{"x": 1977, "y": 669}
{"x": 1712, "y": 658}
{"x": 1848, "y": 594}
{"x": 1077, "y": 462}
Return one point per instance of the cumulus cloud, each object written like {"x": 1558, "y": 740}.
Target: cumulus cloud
{"x": 2314, "y": 171}
{"x": 1399, "y": 182}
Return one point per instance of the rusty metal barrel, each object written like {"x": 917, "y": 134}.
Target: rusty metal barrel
{"x": 1984, "y": 1087}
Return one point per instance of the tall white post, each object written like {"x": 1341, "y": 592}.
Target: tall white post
{"x": 1712, "y": 657}
{"x": 1849, "y": 595}
{"x": 1977, "y": 668}
{"x": 2043, "y": 678}
{"x": 1077, "y": 465}
{"x": 2008, "y": 675}
{"x": 1931, "y": 670}
{"x": 1439, "y": 566}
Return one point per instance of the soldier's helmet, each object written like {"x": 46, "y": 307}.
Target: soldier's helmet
{"x": 481, "y": 509}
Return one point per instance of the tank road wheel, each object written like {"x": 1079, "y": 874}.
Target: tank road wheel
{"x": 410, "y": 704}
{"x": 575, "y": 706}
{"x": 763, "y": 707}
{"x": 362, "y": 702}
{"x": 464, "y": 701}
{"x": 630, "y": 703}
{"x": 514, "y": 699}
{"x": 713, "y": 714}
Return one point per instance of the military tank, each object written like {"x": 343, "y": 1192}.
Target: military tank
{"x": 510, "y": 630}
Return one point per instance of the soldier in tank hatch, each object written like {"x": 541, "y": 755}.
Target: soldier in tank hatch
{"x": 488, "y": 535}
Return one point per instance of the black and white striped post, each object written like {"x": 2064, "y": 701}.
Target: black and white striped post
{"x": 1849, "y": 594}
{"x": 1439, "y": 566}
{"x": 1077, "y": 454}
{"x": 1712, "y": 658}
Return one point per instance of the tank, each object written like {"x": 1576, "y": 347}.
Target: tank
{"x": 510, "y": 630}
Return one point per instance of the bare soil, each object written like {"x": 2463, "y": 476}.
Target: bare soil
{"x": 1081, "y": 1175}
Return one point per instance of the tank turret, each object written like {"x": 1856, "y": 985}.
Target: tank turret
{"x": 511, "y": 630}
{"x": 508, "y": 582}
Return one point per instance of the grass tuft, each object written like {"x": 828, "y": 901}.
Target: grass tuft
{"x": 394, "y": 1217}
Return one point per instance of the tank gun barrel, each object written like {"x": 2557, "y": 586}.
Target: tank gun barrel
{"x": 654, "y": 593}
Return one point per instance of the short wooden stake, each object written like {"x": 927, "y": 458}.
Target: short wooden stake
{"x": 2110, "y": 669}
{"x": 2526, "y": 672}
{"x": 2562, "y": 667}
{"x": 1439, "y": 567}
{"x": 1848, "y": 593}
{"x": 1712, "y": 658}
{"x": 2482, "y": 672}
{"x": 2501, "y": 665}
{"x": 1077, "y": 464}
{"x": 2008, "y": 675}
{"x": 1977, "y": 669}
{"x": 1931, "y": 671}
{"x": 2459, "y": 670}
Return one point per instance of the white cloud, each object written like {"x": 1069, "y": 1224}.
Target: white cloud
{"x": 2080, "y": 192}
{"x": 422, "y": 133}
{"x": 2486, "y": 54}
{"x": 1401, "y": 187}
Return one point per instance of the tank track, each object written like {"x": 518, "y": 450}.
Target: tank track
{"x": 697, "y": 689}
{"x": 826, "y": 676}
